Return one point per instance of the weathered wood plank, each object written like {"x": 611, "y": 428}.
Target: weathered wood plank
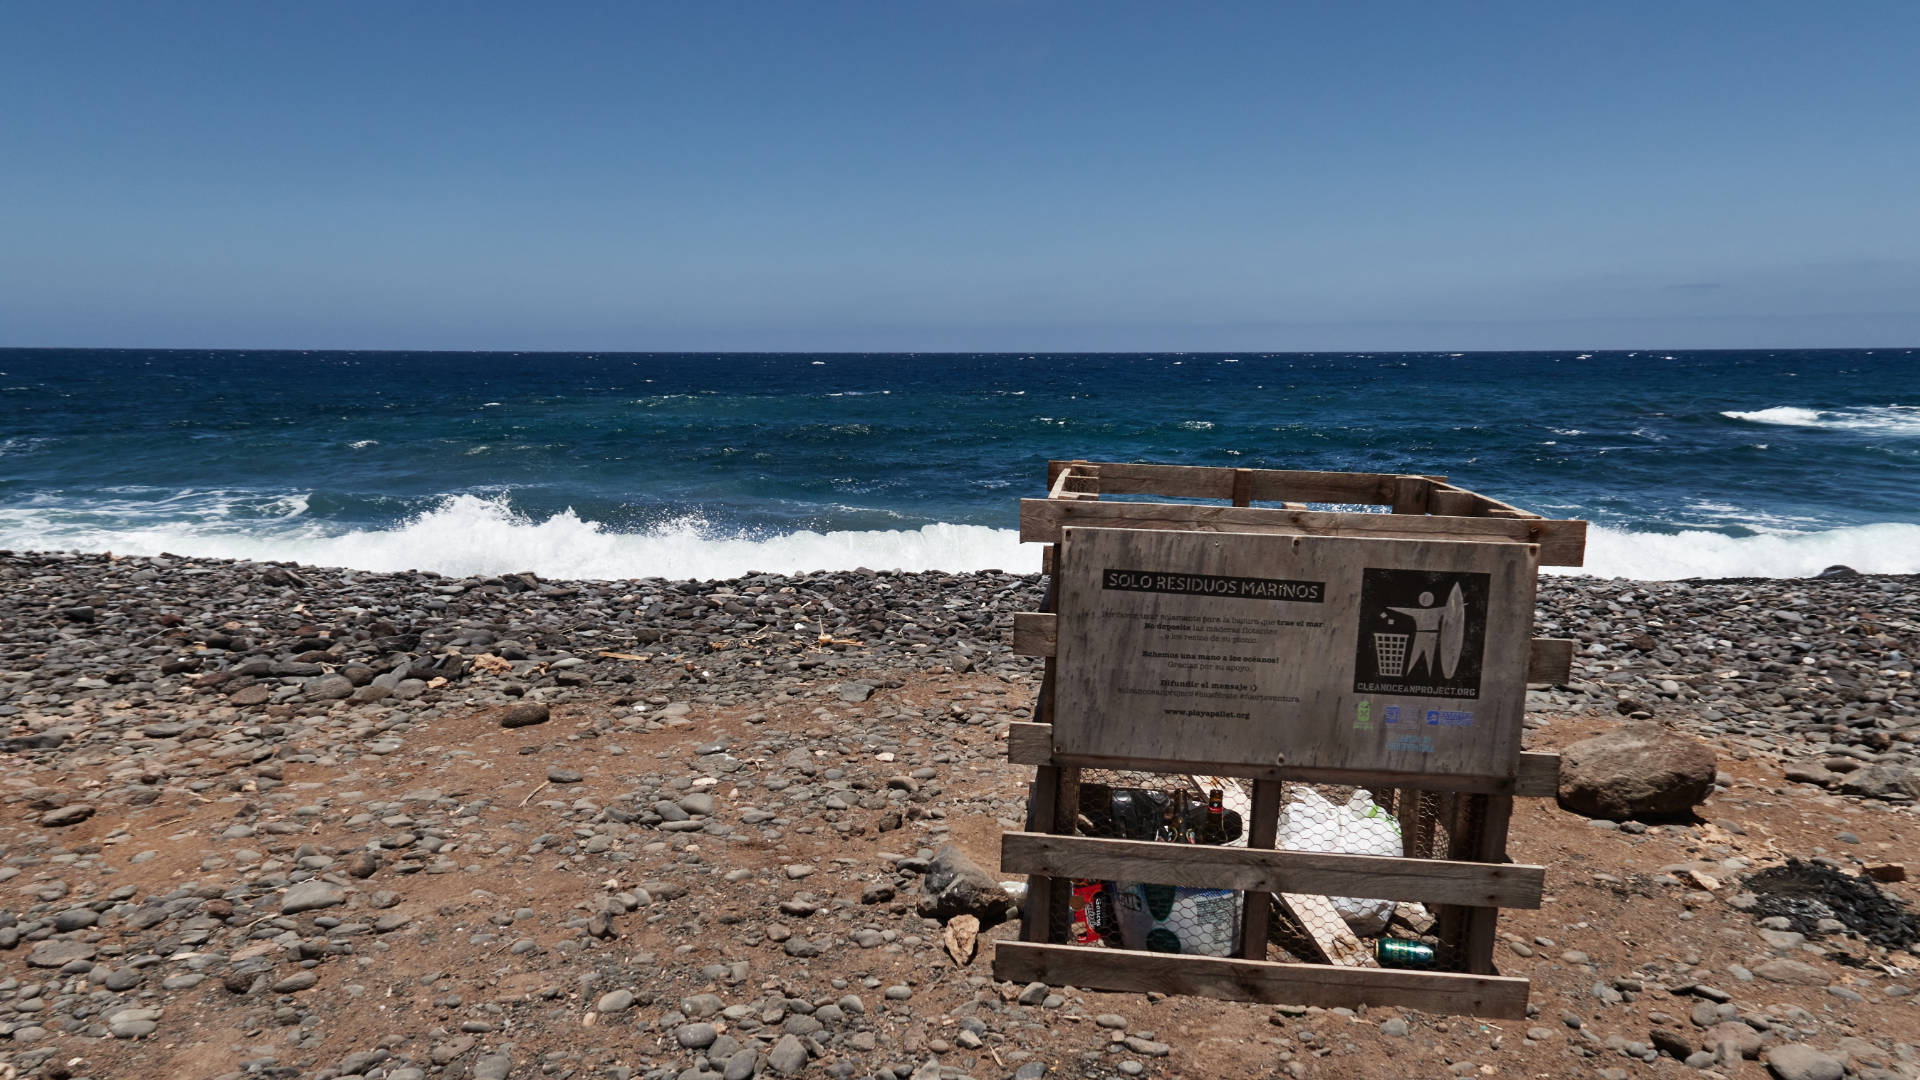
{"x": 1033, "y": 633}
{"x": 1264, "y": 485}
{"x": 1244, "y": 648}
{"x": 1325, "y": 928}
{"x": 1263, "y": 832}
{"x": 1376, "y": 877}
{"x": 1452, "y": 502}
{"x": 1562, "y": 542}
{"x": 1549, "y": 660}
{"x": 1411, "y": 494}
{"x": 1042, "y": 799}
{"x": 1482, "y": 924}
{"x": 1538, "y": 775}
{"x": 1260, "y": 981}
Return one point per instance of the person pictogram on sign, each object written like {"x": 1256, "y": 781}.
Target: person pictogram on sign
{"x": 1438, "y": 632}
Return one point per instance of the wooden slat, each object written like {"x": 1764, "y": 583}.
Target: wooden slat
{"x": 1453, "y": 502}
{"x": 1562, "y": 543}
{"x": 1372, "y": 877}
{"x": 1325, "y": 927}
{"x": 1243, "y": 487}
{"x": 1538, "y": 775}
{"x": 1083, "y": 467}
{"x": 1033, "y": 633}
{"x": 1265, "y": 485}
{"x": 1257, "y": 980}
{"x": 1411, "y": 494}
{"x": 1480, "y": 505}
{"x": 1549, "y": 660}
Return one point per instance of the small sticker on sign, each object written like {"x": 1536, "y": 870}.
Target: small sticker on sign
{"x": 1363, "y": 716}
{"x": 1449, "y": 718}
{"x": 1413, "y": 744}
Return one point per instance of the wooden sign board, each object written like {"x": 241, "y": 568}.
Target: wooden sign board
{"x": 1367, "y": 655}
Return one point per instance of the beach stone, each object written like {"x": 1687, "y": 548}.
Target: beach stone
{"x": 1883, "y": 780}
{"x": 740, "y": 1065}
{"x": 1738, "y": 1037}
{"x": 1638, "y": 771}
{"x": 327, "y": 688}
{"x": 72, "y": 814}
{"x": 133, "y": 1023}
{"x": 955, "y": 885}
{"x": 525, "y": 714}
{"x": 299, "y": 980}
{"x": 1792, "y": 973}
{"x": 614, "y": 1001}
{"x": 492, "y": 1067}
{"x": 1797, "y": 1061}
{"x": 788, "y": 1056}
{"x": 696, "y": 1036}
{"x": 311, "y": 895}
{"x": 1671, "y": 1042}
{"x": 59, "y": 952}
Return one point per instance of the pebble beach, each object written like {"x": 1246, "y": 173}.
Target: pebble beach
{"x": 279, "y": 820}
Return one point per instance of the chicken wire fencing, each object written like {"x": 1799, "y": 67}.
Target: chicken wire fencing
{"x": 1302, "y": 928}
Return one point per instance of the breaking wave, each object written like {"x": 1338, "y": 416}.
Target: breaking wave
{"x": 1889, "y": 419}
{"x": 467, "y": 534}
{"x": 1884, "y": 548}
{"x": 470, "y": 534}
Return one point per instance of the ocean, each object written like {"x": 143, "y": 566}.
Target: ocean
{"x": 702, "y": 465}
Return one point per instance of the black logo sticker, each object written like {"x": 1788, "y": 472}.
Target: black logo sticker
{"x": 1422, "y": 633}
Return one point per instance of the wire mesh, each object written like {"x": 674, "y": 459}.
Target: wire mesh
{"x": 1303, "y": 928}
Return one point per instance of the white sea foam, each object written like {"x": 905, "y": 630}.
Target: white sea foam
{"x": 1890, "y": 419}
{"x": 1884, "y": 548}
{"x": 470, "y": 534}
{"x": 467, "y": 534}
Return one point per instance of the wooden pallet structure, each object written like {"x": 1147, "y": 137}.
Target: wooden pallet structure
{"x": 1250, "y": 637}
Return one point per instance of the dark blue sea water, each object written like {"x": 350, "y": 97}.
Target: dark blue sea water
{"x": 617, "y": 465}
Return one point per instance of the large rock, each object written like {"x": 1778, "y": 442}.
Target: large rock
{"x": 1884, "y": 780}
{"x": 1636, "y": 771}
{"x": 956, "y": 885}
{"x": 1796, "y": 1061}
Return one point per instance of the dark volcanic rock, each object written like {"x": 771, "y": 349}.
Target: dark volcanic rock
{"x": 956, "y": 885}
{"x": 1637, "y": 771}
{"x": 525, "y": 714}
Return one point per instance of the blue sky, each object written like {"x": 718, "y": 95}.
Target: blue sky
{"x": 980, "y": 175}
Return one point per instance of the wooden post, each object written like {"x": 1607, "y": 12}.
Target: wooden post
{"x": 1053, "y": 803}
{"x": 1263, "y": 830}
{"x": 1483, "y": 923}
